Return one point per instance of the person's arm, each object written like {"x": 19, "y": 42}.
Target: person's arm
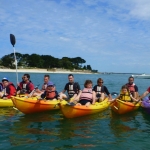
{"x": 107, "y": 92}
{"x": 31, "y": 87}
{"x": 132, "y": 98}
{"x": 136, "y": 88}
{"x": 76, "y": 97}
{"x": 78, "y": 92}
{"x": 144, "y": 94}
{"x": 111, "y": 100}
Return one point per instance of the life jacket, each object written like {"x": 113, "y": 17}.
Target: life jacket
{"x": 72, "y": 89}
{"x": 7, "y": 89}
{"x": 125, "y": 97}
{"x": 86, "y": 94}
{"x": 131, "y": 87}
{"x": 99, "y": 89}
{"x": 50, "y": 94}
{"x": 25, "y": 86}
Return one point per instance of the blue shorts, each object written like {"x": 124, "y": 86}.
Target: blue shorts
{"x": 84, "y": 101}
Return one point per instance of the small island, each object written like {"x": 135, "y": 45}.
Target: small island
{"x": 44, "y": 63}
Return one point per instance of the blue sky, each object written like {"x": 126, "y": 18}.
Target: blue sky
{"x": 111, "y": 35}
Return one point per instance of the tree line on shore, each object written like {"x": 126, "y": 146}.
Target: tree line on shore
{"x": 44, "y": 61}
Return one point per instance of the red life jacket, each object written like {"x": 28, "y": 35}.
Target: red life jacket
{"x": 7, "y": 89}
{"x": 50, "y": 94}
{"x": 25, "y": 86}
{"x": 131, "y": 87}
{"x": 86, "y": 94}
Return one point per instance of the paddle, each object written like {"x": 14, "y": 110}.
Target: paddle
{"x": 13, "y": 41}
{"x": 114, "y": 93}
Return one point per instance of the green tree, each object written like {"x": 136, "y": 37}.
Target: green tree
{"x": 84, "y": 67}
{"x": 35, "y": 60}
{"x": 66, "y": 63}
{"x": 8, "y": 61}
{"x": 89, "y": 67}
{"x": 77, "y": 62}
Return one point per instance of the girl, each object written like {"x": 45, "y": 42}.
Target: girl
{"x": 87, "y": 96}
{"x": 125, "y": 95}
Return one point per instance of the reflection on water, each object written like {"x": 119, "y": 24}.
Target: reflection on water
{"x": 51, "y": 130}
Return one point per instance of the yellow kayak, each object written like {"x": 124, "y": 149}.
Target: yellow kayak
{"x": 121, "y": 107}
{"x": 33, "y": 105}
{"x": 6, "y": 103}
{"x": 77, "y": 111}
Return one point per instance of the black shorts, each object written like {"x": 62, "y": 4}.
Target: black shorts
{"x": 84, "y": 101}
{"x": 98, "y": 96}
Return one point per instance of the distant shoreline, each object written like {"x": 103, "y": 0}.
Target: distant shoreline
{"x": 47, "y": 71}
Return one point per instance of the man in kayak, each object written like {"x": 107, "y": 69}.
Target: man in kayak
{"x": 101, "y": 90}
{"x": 25, "y": 86}
{"x": 8, "y": 89}
{"x": 132, "y": 87}
{"x": 72, "y": 88}
{"x": 47, "y": 81}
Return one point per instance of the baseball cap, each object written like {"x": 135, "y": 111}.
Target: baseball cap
{"x": 4, "y": 79}
{"x": 50, "y": 84}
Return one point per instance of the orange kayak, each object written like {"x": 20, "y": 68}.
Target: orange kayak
{"x": 33, "y": 105}
{"x": 77, "y": 111}
{"x": 122, "y": 107}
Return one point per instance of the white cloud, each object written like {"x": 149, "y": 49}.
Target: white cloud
{"x": 95, "y": 30}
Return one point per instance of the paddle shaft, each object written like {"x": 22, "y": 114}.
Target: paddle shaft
{"x": 16, "y": 65}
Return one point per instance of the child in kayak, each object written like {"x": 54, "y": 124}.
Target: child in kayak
{"x": 50, "y": 92}
{"x": 87, "y": 96}
{"x": 125, "y": 95}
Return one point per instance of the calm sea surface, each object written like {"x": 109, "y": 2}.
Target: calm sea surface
{"x": 51, "y": 130}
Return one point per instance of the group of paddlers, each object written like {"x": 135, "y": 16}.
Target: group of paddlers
{"x": 89, "y": 94}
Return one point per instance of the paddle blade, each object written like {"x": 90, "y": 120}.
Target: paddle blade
{"x": 12, "y": 39}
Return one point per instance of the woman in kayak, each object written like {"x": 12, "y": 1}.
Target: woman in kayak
{"x": 87, "y": 96}
{"x": 101, "y": 90}
{"x": 125, "y": 95}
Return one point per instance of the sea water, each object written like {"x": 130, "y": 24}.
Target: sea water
{"x": 50, "y": 130}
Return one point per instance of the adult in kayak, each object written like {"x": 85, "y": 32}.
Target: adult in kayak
{"x": 125, "y": 95}
{"x": 47, "y": 81}
{"x": 25, "y": 86}
{"x": 132, "y": 87}
{"x": 50, "y": 92}
{"x": 72, "y": 88}
{"x": 87, "y": 96}
{"x": 101, "y": 90}
{"x": 8, "y": 89}
{"x": 145, "y": 93}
